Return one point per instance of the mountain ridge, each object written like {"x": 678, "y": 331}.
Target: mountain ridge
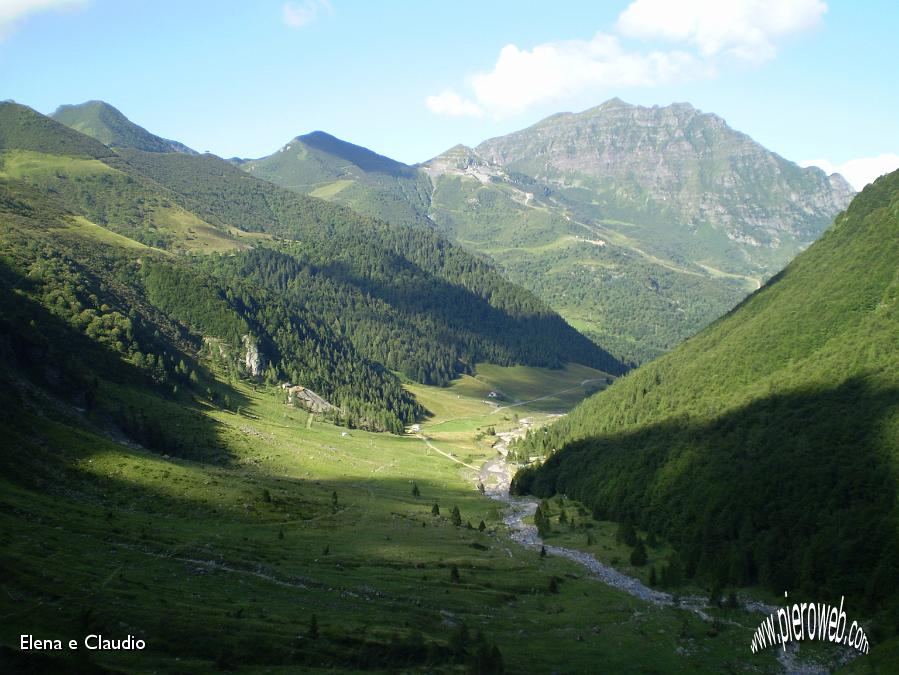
{"x": 102, "y": 121}
{"x": 597, "y": 140}
{"x": 635, "y": 259}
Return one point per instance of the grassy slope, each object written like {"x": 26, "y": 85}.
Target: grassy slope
{"x": 100, "y": 537}
{"x": 329, "y": 168}
{"x": 157, "y": 221}
{"x": 776, "y": 424}
{"x": 108, "y": 125}
{"x": 629, "y": 295}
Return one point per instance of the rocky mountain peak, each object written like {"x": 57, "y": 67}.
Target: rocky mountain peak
{"x": 678, "y": 164}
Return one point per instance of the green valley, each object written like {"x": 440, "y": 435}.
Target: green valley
{"x": 385, "y": 338}
{"x": 764, "y": 448}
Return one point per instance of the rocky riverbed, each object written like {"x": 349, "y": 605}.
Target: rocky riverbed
{"x": 496, "y": 475}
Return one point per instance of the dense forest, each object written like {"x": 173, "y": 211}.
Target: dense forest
{"x": 765, "y": 447}
{"x": 412, "y": 268}
{"x": 323, "y": 297}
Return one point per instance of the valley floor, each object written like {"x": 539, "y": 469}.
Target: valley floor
{"x": 224, "y": 566}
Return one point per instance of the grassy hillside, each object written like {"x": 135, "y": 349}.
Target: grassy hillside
{"x": 765, "y": 448}
{"x": 26, "y": 129}
{"x": 108, "y": 125}
{"x": 323, "y": 166}
{"x": 615, "y": 281}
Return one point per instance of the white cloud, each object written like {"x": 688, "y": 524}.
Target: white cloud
{"x": 861, "y": 171}
{"x": 710, "y": 32}
{"x": 450, "y": 103}
{"x": 554, "y": 70}
{"x": 13, "y": 11}
{"x": 302, "y": 14}
{"x": 746, "y": 29}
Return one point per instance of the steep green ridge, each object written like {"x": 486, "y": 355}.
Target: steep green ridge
{"x": 172, "y": 321}
{"x": 108, "y": 125}
{"x": 639, "y": 225}
{"x": 24, "y": 128}
{"x": 765, "y": 448}
{"x": 465, "y": 311}
{"x": 324, "y": 166}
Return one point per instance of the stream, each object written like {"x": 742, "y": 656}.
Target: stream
{"x": 496, "y": 476}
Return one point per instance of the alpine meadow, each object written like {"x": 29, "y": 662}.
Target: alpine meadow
{"x": 506, "y": 389}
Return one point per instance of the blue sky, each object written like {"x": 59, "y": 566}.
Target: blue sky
{"x": 809, "y": 79}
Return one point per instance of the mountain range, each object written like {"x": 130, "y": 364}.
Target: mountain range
{"x": 639, "y": 225}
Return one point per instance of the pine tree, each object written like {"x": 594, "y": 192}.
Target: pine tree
{"x": 638, "y": 555}
{"x": 541, "y": 521}
{"x": 415, "y": 491}
{"x": 435, "y": 510}
{"x": 732, "y": 602}
{"x": 458, "y": 641}
{"x": 653, "y": 581}
{"x": 715, "y": 594}
{"x": 482, "y": 526}
{"x": 543, "y": 551}
{"x": 313, "y": 628}
{"x": 626, "y": 533}
{"x": 454, "y": 574}
{"x": 496, "y": 661}
{"x": 456, "y": 517}
{"x": 553, "y": 585}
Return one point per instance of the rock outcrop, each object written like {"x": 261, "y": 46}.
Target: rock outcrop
{"x": 252, "y": 359}
{"x": 678, "y": 164}
{"x": 306, "y": 398}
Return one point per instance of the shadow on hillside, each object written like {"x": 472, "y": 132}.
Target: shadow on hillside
{"x": 235, "y": 583}
{"x": 796, "y": 490}
{"x": 364, "y": 158}
{"x": 52, "y": 370}
{"x": 499, "y": 337}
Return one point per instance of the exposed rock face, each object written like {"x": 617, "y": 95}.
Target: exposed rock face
{"x": 252, "y": 357}
{"x": 463, "y": 161}
{"x": 678, "y": 164}
{"x": 306, "y": 398}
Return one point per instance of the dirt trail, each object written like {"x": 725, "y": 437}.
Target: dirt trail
{"x": 433, "y": 447}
